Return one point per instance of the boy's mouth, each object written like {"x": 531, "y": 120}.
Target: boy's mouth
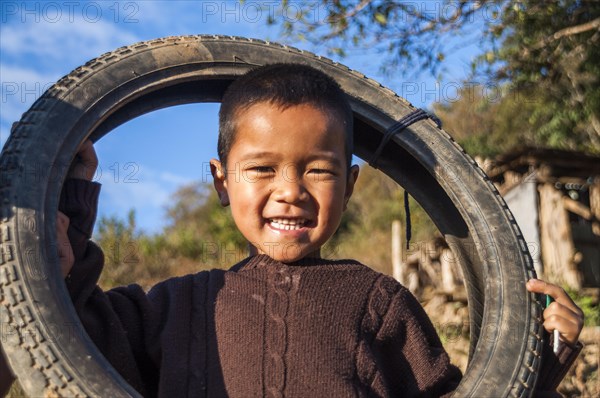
{"x": 287, "y": 224}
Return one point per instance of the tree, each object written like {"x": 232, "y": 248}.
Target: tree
{"x": 545, "y": 52}
{"x": 118, "y": 240}
{"x": 199, "y": 228}
{"x": 407, "y": 32}
{"x": 490, "y": 123}
{"x": 551, "y": 53}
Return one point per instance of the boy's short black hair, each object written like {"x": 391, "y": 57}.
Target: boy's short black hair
{"x": 284, "y": 85}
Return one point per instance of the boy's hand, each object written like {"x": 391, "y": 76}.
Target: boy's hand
{"x": 562, "y": 314}
{"x": 85, "y": 163}
{"x": 83, "y": 167}
{"x": 65, "y": 251}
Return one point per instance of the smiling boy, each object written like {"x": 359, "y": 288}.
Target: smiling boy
{"x": 293, "y": 187}
{"x": 284, "y": 321}
{"x": 292, "y": 177}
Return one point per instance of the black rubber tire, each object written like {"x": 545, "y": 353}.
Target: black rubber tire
{"x": 42, "y": 336}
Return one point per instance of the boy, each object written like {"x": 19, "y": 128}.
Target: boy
{"x": 284, "y": 321}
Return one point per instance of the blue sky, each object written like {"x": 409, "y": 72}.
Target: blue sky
{"x": 144, "y": 161}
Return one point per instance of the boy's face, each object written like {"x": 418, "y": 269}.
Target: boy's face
{"x": 286, "y": 180}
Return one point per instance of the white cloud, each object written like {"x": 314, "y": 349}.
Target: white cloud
{"x": 39, "y": 45}
{"x": 68, "y": 39}
{"x": 20, "y": 87}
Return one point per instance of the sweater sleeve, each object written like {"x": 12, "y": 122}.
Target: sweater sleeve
{"x": 554, "y": 366}
{"x": 410, "y": 354}
{"x": 414, "y": 362}
{"x": 112, "y": 319}
{"x": 117, "y": 321}
{"x": 79, "y": 202}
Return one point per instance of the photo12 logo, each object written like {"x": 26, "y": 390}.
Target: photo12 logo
{"x": 69, "y": 11}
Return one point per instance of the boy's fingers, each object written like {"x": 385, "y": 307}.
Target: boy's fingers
{"x": 563, "y": 314}
{"x": 540, "y": 286}
{"x": 65, "y": 251}
{"x": 556, "y": 310}
{"x": 66, "y": 258}
{"x": 88, "y": 153}
{"x": 569, "y": 328}
{"x": 86, "y": 162}
{"x": 89, "y": 159}
{"x": 62, "y": 222}
{"x": 556, "y": 292}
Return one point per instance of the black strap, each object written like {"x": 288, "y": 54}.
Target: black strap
{"x": 413, "y": 117}
{"x": 408, "y": 225}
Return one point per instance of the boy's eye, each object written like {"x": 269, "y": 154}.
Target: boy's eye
{"x": 321, "y": 171}
{"x": 322, "y": 174}
{"x": 262, "y": 169}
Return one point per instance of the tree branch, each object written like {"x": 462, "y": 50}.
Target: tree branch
{"x": 358, "y": 8}
{"x": 570, "y": 31}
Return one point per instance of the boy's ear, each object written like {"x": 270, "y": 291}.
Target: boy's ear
{"x": 218, "y": 174}
{"x": 352, "y": 177}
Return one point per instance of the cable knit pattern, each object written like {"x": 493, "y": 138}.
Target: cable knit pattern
{"x": 276, "y": 331}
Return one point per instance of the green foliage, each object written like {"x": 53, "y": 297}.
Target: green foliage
{"x": 549, "y": 57}
{"x": 588, "y": 304}
{"x": 547, "y": 52}
{"x": 488, "y": 123}
{"x": 117, "y": 238}
{"x": 552, "y": 50}
{"x": 408, "y": 35}
{"x": 590, "y": 309}
{"x": 201, "y": 229}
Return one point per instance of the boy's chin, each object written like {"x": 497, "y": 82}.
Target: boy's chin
{"x": 290, "y": 254}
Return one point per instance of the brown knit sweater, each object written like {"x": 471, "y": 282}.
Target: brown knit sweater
{"x": 315, "y": 328}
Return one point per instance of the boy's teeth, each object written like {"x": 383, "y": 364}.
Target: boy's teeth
{"x": 287, "y": 224}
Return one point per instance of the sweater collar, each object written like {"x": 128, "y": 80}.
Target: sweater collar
{"x": 263, "y": 261}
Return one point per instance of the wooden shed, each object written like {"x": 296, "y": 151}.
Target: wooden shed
{"x": 555, "y": 197}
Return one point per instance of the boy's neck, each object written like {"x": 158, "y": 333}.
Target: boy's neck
{"x": 254, "y": 251}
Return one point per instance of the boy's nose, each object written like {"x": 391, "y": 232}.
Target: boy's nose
{"x": 290, "y": 191}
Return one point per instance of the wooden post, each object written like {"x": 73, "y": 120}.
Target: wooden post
{"x": 595, "y": 205}
{"x": 595, "y": 198}
{"x": 558, "y": 250}
{"x": 413, "y": 282}
{"x": 397, "y": 252}
{"x": 446, "y": 260}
